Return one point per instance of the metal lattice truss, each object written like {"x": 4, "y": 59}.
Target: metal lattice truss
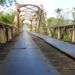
{"x": 35, "y": 14}
{"x": 28, "y": 10}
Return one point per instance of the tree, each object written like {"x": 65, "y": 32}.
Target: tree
{"x": 58, "y": 11}
{"x": 54, "y": 21}
{"x": 51, "y": 21}
{"x": 7, "y": 2}
{"x": 7, "y": 18}
{"x": 2, "y": 2}
{"x": 59, "y": 16}
{"x": 73, "y": 14}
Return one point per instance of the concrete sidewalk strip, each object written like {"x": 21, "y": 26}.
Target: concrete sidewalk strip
{"x": 61, "y": 45}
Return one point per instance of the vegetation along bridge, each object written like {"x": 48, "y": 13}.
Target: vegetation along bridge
{"x": 32, "y": 44}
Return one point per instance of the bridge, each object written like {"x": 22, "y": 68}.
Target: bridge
{"x": 40, "y": 51}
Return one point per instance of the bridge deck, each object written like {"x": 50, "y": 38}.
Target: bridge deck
{"x": 65, "y": 47}
{"x": 25, "y": 58}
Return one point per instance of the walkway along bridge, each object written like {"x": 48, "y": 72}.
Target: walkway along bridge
{"x": 25, "y": 57}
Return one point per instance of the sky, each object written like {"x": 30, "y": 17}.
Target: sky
{"x": 51, "y": 5}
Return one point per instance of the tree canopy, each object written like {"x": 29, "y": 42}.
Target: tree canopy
{"x": 2, "y": 2}
{"x": 51, "y": 21}
{"x": 7, "y": 18}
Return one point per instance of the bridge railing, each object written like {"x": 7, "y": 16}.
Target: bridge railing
{"x": 7, "y": 33}
{"x": 65, "y": 33}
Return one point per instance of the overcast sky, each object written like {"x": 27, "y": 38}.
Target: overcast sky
{"x": 51, "y": 5}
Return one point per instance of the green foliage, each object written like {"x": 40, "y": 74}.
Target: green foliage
{"x": 66, "y": 37}
{"x": 7, "y": 18}
{"x": 54, "y": 21}
{"x": 51, "y": 21}
{"x": 7, "y": 2}
{"x": 61, "y": 21}
{"x": 2, "y": 2}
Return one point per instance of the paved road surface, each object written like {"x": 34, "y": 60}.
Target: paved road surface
{"x": 25, "y": 58}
